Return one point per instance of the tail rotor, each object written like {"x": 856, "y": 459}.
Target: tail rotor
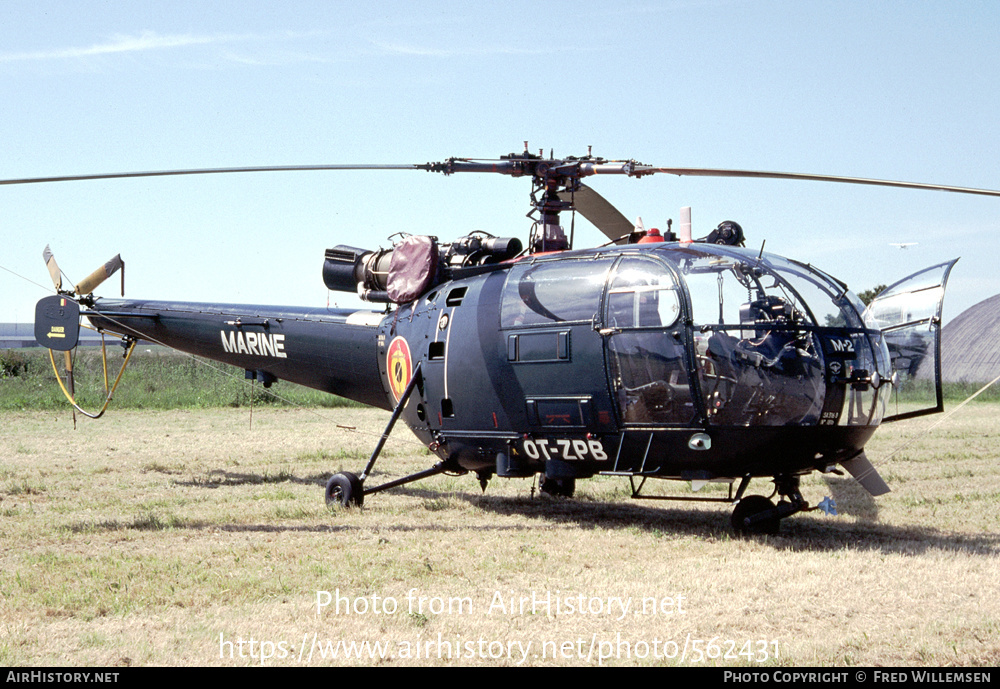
{"x": 57, "y": 321}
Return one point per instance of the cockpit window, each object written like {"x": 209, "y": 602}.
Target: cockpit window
{"x": 758, "y": 359}
{"x": 550, "y": 292}
{"x": 730, "y": 288}
{"x": 643, "y": 294}
{"x": 648, "y": 363}
{"x": 830, "y": 304}
{"x": 719, "y": 288}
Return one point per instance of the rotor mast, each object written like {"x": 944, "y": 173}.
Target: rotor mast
{"x": 555, "y": 181}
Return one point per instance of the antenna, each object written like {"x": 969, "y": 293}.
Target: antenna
{"x": 686, "y": 225}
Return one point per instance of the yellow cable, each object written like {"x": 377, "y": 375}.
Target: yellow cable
{"x": 107, "y": 401}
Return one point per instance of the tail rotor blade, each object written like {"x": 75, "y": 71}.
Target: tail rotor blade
{"x": 70, "y": 384}
{"x": 68, "y": 356}
{"x": 91, "y": 282}
{"x": 50, "y": 263}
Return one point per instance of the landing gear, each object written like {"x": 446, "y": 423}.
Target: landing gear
{"x": 558, "y": 487}
{"x": 752, "y": 515}
{"x": 756, "y": 514}
{"x": 347, "y": 490}
{"x": 344, "y": 490}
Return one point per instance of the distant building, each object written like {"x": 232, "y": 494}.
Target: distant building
{"x": 20, "y": 335}
{"x": 970, "y": 344}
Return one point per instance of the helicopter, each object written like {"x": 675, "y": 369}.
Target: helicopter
{"x": 653, "y": 356}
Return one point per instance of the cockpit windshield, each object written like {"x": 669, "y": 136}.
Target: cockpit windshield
{"x": 729, "y": 285}
{"x": 758, "y": 324}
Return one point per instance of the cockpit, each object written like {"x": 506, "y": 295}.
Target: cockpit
{"x": 703, "y": 333}
{"x": 778, "y": 342}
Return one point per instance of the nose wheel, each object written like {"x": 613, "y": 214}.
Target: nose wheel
{"x": 754, "y": 515}
{"x": 757, "y": 515}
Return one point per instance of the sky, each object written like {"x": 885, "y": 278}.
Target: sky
{"x": 891, "y": 90}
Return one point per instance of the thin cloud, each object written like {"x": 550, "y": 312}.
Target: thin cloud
{"x": 146, "y": 41}
{"x": 279, "y": 59}
{"x": 421, "y": 51}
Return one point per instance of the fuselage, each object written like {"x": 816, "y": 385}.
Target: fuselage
{"x": 678, "y": 361}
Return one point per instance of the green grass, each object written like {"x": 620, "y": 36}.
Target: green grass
{"x": 922, "y": 391}
{"x": 156, "y": 378}
{"x": 146, "y": 537}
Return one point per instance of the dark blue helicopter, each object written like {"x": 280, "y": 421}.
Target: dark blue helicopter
{"x": 652, "y": 357}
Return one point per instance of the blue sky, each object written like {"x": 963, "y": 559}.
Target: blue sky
{"x": 899, "y": 90}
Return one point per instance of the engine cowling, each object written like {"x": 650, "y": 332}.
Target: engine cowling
{"x": 413, "y": 266}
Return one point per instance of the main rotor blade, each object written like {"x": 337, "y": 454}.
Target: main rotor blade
{"x": 709, "y": 172}
{"x": 599, "y": 211}
{"x": 50, "y": 263}
{"x": 212, "y": 171}
{"x": 517, "y": 167}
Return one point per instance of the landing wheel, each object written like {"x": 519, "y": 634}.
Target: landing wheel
{"x": 748, "y": 507}
{"x": 559, "y": 487}
{"x": 344, "y": 490}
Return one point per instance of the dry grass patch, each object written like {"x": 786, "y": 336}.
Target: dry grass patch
{"x": 170, "y": 537}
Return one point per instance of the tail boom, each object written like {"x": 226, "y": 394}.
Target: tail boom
{"x": 334, "y": 350}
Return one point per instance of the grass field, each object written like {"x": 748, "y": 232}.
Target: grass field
{"x": 186, "y": 537}
{"x": 156, "y": 378}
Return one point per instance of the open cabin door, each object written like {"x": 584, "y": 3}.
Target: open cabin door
{"x": 909, "y": 315}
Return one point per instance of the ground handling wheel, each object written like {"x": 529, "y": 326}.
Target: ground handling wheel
{"x": 558, "y": 487}
{"x": 344, "y": 490}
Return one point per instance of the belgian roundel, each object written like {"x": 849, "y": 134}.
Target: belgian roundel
{"x": 400, "y": 367}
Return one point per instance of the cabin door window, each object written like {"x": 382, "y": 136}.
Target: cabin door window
{"x": 646, "y": 350}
